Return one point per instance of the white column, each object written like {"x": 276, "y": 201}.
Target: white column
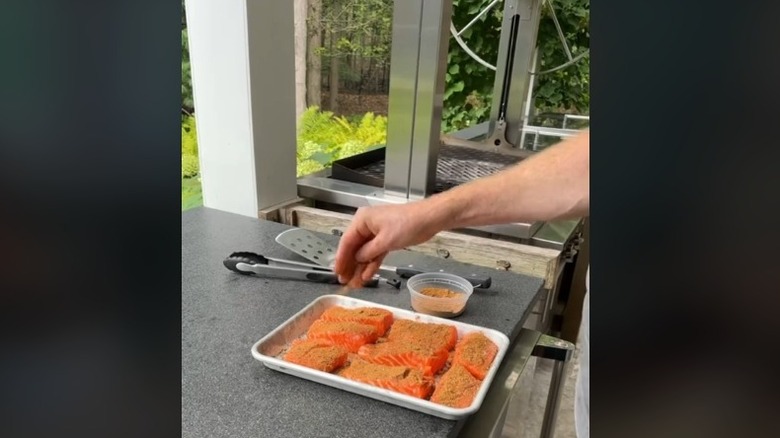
{"x": 243, "y": 77}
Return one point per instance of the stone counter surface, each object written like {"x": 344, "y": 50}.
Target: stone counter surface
{"x": 227, "y": 393}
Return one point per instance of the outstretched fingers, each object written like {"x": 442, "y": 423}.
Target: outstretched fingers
{"x": 372, "y": 268}
{"x": 353, "y": 239}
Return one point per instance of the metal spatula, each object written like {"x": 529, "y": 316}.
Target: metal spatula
{"x": 308, "y": 245}
{"x": 313, "y": 248}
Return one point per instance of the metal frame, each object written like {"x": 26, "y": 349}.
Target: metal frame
{"x": 489, "y": 420}
{"x": 322, "y": 188}
{"x": 516, "y": 56}
{"x": 419, "y": 54}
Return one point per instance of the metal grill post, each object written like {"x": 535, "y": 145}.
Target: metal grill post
{"x": 515, "y": 59}
{"x": 419, "y": 63}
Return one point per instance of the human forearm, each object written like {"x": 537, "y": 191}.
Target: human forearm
{"x": 553, "y": 184}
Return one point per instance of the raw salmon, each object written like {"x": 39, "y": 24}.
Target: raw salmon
{"x": 379, "y": 318}
{"x": 317, "y": 354}
{"x": 401, "y": 379}
{"x": 475, "y": 352}
{"x": 423, "y": 333}
{"x": 348, "y": 334}
{"x": 425, "y": 358}
{"x": 456, "y": 388}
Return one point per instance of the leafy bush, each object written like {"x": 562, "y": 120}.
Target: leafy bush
{"x": 187, "y": 102}
{"x": 324, "y": 138}
{"x": 189, "y": 148}
{"x": 469, "y": 85}
{"x": 567, "y": 89}
{"x": 191, "y": 193}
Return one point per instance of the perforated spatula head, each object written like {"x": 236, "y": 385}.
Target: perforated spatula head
{"x": 308, "y": 245}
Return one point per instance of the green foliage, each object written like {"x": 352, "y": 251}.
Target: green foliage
{"x": 355, "y": 29}
{"x": 469, "y": 85}
{"x": 191, "y": 194}
{"x": 324, "y": 138}
{"x": 189, "y": 148}
{"x": 187, "y": 102}
{"x": 362, "y": 27}
{"x": 567, "y": 89}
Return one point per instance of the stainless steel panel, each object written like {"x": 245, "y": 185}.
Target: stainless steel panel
{"x": 475, "y": 132}
{"x": 515, "y": 57}
{"x": 360, "y": 195}
{"x": 434, "y": 39}
{"x": 419, "y": 62}
{"x": 555, "y": 234}
{"x": 271, "y": 347}
{"x": 407, "y": 16}
{"x": 345, "y": 193}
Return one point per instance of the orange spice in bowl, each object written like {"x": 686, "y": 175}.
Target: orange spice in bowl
{"x": 439, "y": 294}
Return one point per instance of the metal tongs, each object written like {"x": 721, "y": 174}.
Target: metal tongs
{"x": 249, "y": 263}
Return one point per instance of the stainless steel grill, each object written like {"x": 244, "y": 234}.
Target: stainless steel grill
{"x": 418, "y": 160}
{"x": 456, "y": 165}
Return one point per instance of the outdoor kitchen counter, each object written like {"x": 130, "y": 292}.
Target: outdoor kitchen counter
{"x": 227, "y": 393}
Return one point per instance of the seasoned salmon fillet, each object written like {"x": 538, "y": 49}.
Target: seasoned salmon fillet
{"x": 423, "y": 333}
{"x": 425, "y": 358}
{"x": 317, "y": 354}
{"x": 401, "y": 379}
{"x": 456, "y": 388}
{"x": 475, "y": 352}
{"x": 379, "y": 318}
{"x": 347, "y": 334}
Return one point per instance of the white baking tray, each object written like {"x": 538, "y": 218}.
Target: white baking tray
{"x": 268, "y": 349}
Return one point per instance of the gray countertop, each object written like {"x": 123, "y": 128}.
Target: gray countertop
{"x": 227, "y": 393}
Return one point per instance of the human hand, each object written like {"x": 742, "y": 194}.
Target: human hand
{"x": 377, "y": 230}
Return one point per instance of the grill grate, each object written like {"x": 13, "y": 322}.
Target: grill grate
{"x": 456, "y": 165}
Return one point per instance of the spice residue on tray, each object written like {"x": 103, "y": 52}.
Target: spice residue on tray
{"x": 438, "y": 292}
{"x": 424, "y": 357}
{"x": 401, "y": 379}
{"x": 348, "y": 334}
{"x": 457, "y": 388}
{"x": 380, "y": 318}
{"x": 316, "y": 354}
{"x": 475, "y": 353}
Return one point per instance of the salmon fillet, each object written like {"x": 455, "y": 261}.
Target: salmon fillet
{"x": 456, "y": 388}
{"x": 401, "y": 379}
{"x": 438, "y": 336}
{"x": 347, "y": 334}
{"x": 379, "y": 318}
{"x": 475, "y": 352}
{"x": 317, "y": 354}
{"x": 425, "y": 358}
